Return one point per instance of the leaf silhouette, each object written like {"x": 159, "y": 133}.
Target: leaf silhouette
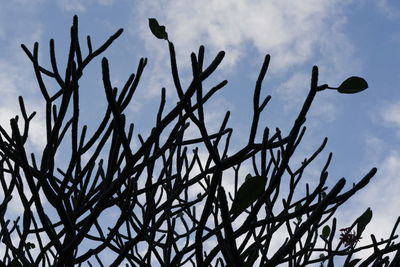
{"x": 296, "y": 208}
{"x": 353, "y": 85}
{"x": 248, "y": 192}
{"x": 326, "y": 231}
{"x": 157, "y": 30}
{"x": 363, "y": 220}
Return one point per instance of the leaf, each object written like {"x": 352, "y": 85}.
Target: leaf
{"x": 157, "y": 30}
{"x": 353, "y": 262}
{"x": 353, "y": 85}
{"x": 248, "y": 192}
{"x": 326, "y": 231}
{"x": 363, "y": 220}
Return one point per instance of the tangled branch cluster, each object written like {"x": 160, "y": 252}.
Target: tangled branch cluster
{"x": 160, "y": 222}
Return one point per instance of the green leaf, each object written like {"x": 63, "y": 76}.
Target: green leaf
{"x": 326, "y": 231}
{"x": 353, "y": 262}
{"x": 157, "y": 30}
{"x": 353, "y": 85}
{"x": 363, "y": 220}
{"x": 248, "y": 192}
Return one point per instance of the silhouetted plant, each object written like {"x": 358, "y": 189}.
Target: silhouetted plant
{"x": 160, "y": 222}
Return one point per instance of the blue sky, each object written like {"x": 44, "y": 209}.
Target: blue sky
{"x": 343, "y": 38}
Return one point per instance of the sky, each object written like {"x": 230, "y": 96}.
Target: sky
{"x": 343, "y": 38}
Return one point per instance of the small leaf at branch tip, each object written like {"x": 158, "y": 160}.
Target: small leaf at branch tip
{"x": 353, "y": 85}
{"x": 326, "y": 231}
{"x": 157, "y": 30}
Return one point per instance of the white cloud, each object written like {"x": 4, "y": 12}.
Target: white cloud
{"x": 81, "y": 6}
{"x": 288, "y": 30}
{"x": 375, "y": 148}
{"x": 16, "y": 72}
{"x": 295, "y": 34}
{"x": 294, "y": 90}
{"x": 390, "y": 115}
{"x": 336, "y": 48}
{"x": 72, "y": 5}
{"x": 12, "y": 79}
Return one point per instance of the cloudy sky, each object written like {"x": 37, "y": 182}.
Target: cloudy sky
{"x": 343, "y": 38}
